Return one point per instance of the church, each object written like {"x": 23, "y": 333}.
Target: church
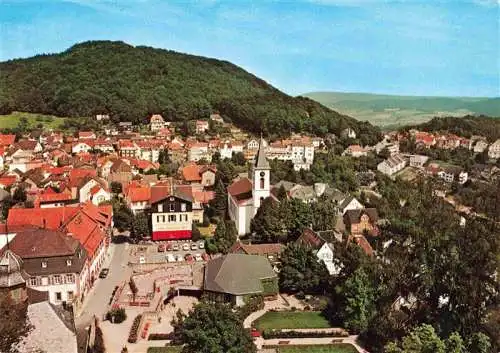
{"x": 245, "y": 195}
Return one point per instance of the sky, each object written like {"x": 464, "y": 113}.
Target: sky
{"x": 424, "y": 47}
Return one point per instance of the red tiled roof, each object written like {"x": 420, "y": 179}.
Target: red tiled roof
{"x": 203, "y": 196}
{"x": 138, "y": 194}
{"x": 191, "y": 173}
{"x": 159, "y": 193}
{"x": 7, "y": 140}
{"x": 85, "y": 134}
{"x": 257, "y": 249}
{"x": 240, "y": 187}
{"x": 7, "y": 180}
{"x": 54, "y": 197}
{"x": 364, "y": 244}
{"x": 36, "y": 242}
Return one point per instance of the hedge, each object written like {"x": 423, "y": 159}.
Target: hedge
{"x": 132, "y": 337}
{"x": 270, "y": 334}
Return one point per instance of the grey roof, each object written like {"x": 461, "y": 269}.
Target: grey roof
{"x": 288, "y": 185}
{"x": 261, "y": 160}
{"x": 237, "y": 274}
{"x": 49, "y": 333}
{"x": 11, "y": 270}
{"x": 346, "y": 202}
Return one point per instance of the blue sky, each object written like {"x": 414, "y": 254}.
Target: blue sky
{"x": 425, "y": 47}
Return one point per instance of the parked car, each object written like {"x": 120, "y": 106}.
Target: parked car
{"x": 171, "y": 258}
{"x": 198, "y": 257}
{"x": 194, "y": 246}
{"x": 185, "y": 247}
{"x": 201, "y": 245}
{"x": 180, "y": 258}
{"x": 189, "y": 258}
{"x": 161, "y": 248}
{"x": 104, "y": 273}
{"x": 169, "y": 246}
{"x": 175, "y": 247}
{"x": 142, "y": 259}
{"x": 205, "y": 256}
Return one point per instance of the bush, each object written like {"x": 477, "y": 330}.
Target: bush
{"x": 160, "y": 336}
{"x": 132, "y": 336}
{"x": 253, "y": 304}
{"x": 270, "y": 334}
{"x": 116, "y": 316}
{"x": 98, "y": 346}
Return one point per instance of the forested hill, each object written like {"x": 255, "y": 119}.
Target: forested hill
{"x": 130, "y": 83}
{"x": 466, "y": 126}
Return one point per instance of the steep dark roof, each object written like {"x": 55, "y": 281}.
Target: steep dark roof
{"x": 261, "y": 160}
{"x": 237, "y": 274}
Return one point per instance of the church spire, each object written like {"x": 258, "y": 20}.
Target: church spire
{"x": 261, "y": 160}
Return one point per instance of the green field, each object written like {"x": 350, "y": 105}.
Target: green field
{"x": 48, "y": 121}
{"x": 172, "y": 349}
{"x": 392, "y": 110}
{"x": 291, "y": 320}
{"x": 332, "y": 348}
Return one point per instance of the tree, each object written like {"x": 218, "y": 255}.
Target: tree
{"x": 281, "y": 194}
{"x": 238, "y": 158}
{"x": 479, "y": 343}
{"x": 301, "y": 271}
{"x": 423, "y": 339}
{"x": 116, "y": 187}
{"x": 219, "y": 202}
{"x": 324, "y": 214}
{"x": 19, "y": 195}
{"x": 140, "y": 226}
{"x": 225, "y": 236}
{"x": 358, "y": 294}
{"x": 297, "y": 216}
{"x": 268, "y": 225}
{"x": 122, "y": 215}
{"x": 212, "y": 328}
{"x": 455, "y": 344}
{"x": 14, "y": 324}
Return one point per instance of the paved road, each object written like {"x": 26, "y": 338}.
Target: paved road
{"x": 97, "y": 299}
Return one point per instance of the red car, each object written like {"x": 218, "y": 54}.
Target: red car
{"x": 205, "y": 256}
{"x": 189, "y": 258}
{"x": 161, "y": 248}
{"x": 255, "y": 333}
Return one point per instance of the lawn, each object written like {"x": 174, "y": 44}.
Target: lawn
{"x": 291, "y": 320}
{"x": 331, "y": 348}
{"x": 48, "y": 121}
{"x": 166, "y": 349}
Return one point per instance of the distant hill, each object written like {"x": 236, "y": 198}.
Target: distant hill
{"x": 130, "y": 83}
{"x": 389, "y": 110}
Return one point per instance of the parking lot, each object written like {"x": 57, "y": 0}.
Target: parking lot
{"x": 176, "y": 251}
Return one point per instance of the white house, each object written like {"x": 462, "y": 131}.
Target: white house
{"x": 392, "y": 165}
{"x": 81, "y": 147}
{"x": 246, "y": 195}
{"x": 322, "y": 246}
{"x": 156, "y": 122}
{"x": 480, "y": 146}
{"x": 418, "y": 160}
{"x": 451, "y": 174}
{"x": 494, "y": 150}
{"x": 350, "y": 133}
{"x": 349, "y": 203}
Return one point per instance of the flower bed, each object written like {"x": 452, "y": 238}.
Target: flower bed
{"x": 132, "y": 337}
{"x": 269, "y": 334}
{"x": 144, "y": 332}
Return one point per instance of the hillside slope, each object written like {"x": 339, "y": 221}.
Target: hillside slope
{"x": 386, "y": 110}
{"x": 130, "y": 83}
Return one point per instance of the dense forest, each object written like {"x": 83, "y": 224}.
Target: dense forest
{"x": 466, "y": 126}
{"x": 130, "y": 83}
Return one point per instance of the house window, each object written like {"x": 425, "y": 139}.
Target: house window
{"x": 68, "y": 262}
{"x": 183, "y": 207}
{"x": 172, "y": 218}
{"x": 157, "y": 219}
{"x": 44, "y": 264}
{"x": 172, "y": 207}
{"x": 58, "y": 296}
{"x": 70, "y": 295}
{"x": 163, "y": 219}
{"x": 160, "y": 207}
{"x": 33, "y": 281}
{"x": 70, "y": 278}
{"x": 56, "y": 279}
{"x": 45, "y": 281}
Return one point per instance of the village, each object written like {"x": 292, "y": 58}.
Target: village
{"x": 110, "y": 232}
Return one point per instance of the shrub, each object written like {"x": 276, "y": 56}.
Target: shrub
{"x": 270, "y": 334}
{"x": 116, "y": 315}
{"x": 98, "y": 346}
{"x": 160, "y": 336}
{"x": 132, "y": 337}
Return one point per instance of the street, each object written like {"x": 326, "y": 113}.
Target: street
{"x": 96, "y": 301}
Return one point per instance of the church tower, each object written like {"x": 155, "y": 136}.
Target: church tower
{"x": 261, "y": 186}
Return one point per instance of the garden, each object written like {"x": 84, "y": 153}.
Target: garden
{"x": 323, "y": 348}
{"x": 291, "y": 320}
